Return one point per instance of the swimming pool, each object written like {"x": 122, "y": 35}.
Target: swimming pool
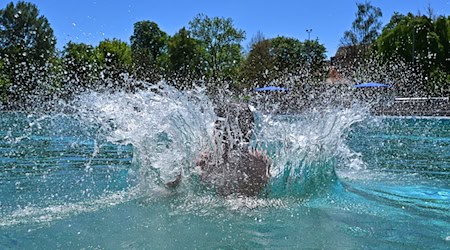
{"x": 341, "y": 179}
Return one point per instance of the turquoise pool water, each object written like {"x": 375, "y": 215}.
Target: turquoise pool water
{"x": 71, "y": 181}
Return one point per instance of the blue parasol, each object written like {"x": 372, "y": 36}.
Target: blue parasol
{"x": 271, "y": 88}
{"x": 372, "y": 85}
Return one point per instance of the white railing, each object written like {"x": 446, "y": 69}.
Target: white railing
{"x": 419, "y": 99}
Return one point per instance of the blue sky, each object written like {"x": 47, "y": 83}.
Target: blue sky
{"x": 91, "y": 21}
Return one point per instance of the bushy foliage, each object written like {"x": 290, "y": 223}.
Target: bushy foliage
{"x": 27, "y": 45}
{"x": 221, "y": 42}
{"x": 412, "y": 49}
{"x": 115, "y": 59}
{"x": 148, "y": 44}
{"x": 422, "y": 42}
{"x": 274, "y": 59}
{"x": 80, "y": 67}
{"x": 366, "y": 26}
{"x": 185, "y": 58}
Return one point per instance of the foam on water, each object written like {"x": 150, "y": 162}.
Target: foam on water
{"x": 37, "y": 214}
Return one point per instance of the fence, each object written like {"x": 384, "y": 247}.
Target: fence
{"x": 415, "y": 106}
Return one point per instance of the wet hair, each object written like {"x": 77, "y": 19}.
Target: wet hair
{"x": 238, "y": 170}
{"x": 236, "y": 123}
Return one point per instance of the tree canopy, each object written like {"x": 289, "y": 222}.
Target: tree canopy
{"x": 114, "y": 56}
{"x": 258, "y": 67}
{"x": 366, "y": 26}
{"x": 148, "y": 43}
{"x": 185, "y": 56}
{"x": 221, "y": 41}
{"x": 81, "y": 69}
{"x": 271, "y": 59}
{"x": 422, "y": 42}
{"x": 26, "y": 44}
{"x": 209, "y": 49}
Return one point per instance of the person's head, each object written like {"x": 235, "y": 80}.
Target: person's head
{"x": 236, "y": 122}
{"x": 240, "y": 170}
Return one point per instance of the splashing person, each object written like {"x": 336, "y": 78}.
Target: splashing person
{"x": 233, "y": 167}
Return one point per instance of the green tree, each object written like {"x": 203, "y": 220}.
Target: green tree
{"x": 287, "y": 55}
{"x": 366, "y": 26}
{"x": 221, "y": 41}
{"x": 80, "y": 66}
{"x": 442, "y": 30}
{"x": 185, "y": 57}
{"x": 396, "y": 19}
{"x": 412, "y": 37}
{"x": 423, "y": 43}
{"x": 148, "y": 43}
{"x": 4, "y": 83}
{"x": 27, "y": 45}
{"x": 257, "y": 69}
{"x": 284, "y": 57}
{"x": 313, "y": 59}
{"x": 115, "y": 59}
{"x": 258, "y": 37}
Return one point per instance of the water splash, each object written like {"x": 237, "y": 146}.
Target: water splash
{"x": 170, "y": 129}
{"x": 306, "y": 149}
{"x": 167, "y": 128}
{"x": 165, "y": 131}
